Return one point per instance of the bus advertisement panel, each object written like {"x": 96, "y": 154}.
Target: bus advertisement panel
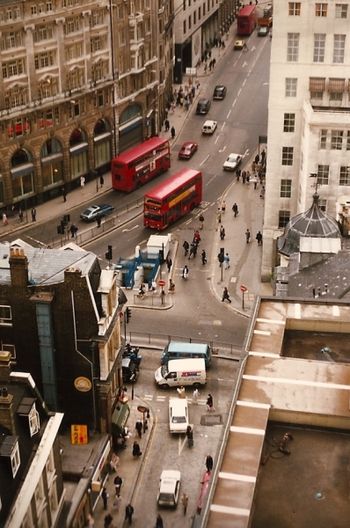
{"x": 172, "y": 199}
{"x": 141, "y": 163}
{"x": 246, "y": 20}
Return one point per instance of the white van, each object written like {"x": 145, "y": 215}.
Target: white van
{"x": 178, "y": 415}
{"x": 179, "y": 372}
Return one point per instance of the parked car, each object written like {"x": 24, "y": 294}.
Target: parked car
{"x": 130, "y": 370}
{"x": 219, "y": 92}
{"x": 187, "y": 150}
{"x": 96, "y": 211}
{"x": 263, "y": 31}
{"x": 203, "y": 106}
{"x": 238, "y": 45}
{"x": 232, "y": 162}
{"x": 132, "y": 352}
{"x": 209, "y": 127}
{"x": 169, "y": 488}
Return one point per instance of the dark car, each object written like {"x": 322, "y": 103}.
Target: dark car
{"x": 263, "y": 31}
{"x": 130, "y": 370}
{"x": 96, "y": 211}
{"x": 219, "y": 92}
{"x": 187, "y": 150}
{"x": 203, "y": 106}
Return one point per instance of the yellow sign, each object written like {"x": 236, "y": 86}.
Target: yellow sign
{"x": 182, "y": 196}
{"x": 82, "y": 384}
{"x": 79, "y": 434}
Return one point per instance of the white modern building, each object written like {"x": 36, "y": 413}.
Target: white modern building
{"x": 309, "y": 116}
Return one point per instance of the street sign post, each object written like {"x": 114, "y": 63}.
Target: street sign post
{"x": 161, "y": 283}
{"x": 243, "y": 289}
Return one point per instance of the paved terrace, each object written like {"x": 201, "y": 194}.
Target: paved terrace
{"x": 293, "y": 391}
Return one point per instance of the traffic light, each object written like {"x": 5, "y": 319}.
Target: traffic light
{"x": 221, "y": 256}
{"x": 109, "y": 254}
{"x": 127, "y": 314}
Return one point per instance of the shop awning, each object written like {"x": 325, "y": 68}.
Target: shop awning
{"x": 120, "y": 417}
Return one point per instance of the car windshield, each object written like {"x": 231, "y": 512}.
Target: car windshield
{"x": 179, "y": 419}
{"x": 164, "y": 370}
{"x": 166, "y": 497}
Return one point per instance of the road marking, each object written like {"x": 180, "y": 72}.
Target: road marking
{"x": 211, "y": 179}
{"x": 205, "y": 159}
{"x": 246, "y": 153}
{"x": 229, "y": 113}
{"x": 234, "y": 102}
{"x": 223, "y": 149}
{"x": 217, "y": 139}
{"x": 244, "y": 64}
{"x": 223, "y": 126}
{"x": 181, "y": 444}
{"x": 131, "y": 229}
{"x": 161, "y": 398}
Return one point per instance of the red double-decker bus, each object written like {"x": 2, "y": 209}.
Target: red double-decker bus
{"x": 172, "y": 199}
{"x": 138, "y": 165}
{"x": 246, "y": 20}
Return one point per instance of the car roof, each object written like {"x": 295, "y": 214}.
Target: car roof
{"x": 220, "y": 87}
{"x": 233, "y": 154}
{"x": 203, "y": 100}
{"x": 209, "y": 122}
{"x": 169, "y": 475}
{"x": 187, "y": 144}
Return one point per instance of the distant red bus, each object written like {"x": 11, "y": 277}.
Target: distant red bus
{"x": 138, "y": 165}
{"x": 172, "y": 199}
{"x": 246, "y": 20}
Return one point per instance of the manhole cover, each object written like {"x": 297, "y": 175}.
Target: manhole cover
{"x": 213, "y": 419}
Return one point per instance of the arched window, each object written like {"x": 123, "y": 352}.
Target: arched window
{"x": 51, "y": 163}
{"x": 22, "y": 173}
{"x": 78, "y": 149}
{"x": 102, "y": 144}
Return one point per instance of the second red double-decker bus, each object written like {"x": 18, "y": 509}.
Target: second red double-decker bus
{"x": 172, "y": 199}
{"x": 141, "y": 163}
{"x": 246, "y": 20}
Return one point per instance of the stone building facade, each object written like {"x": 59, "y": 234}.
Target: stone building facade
{"x": 309, "y": 118}
{"x": 80, "y": 81}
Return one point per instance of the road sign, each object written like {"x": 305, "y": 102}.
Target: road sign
{"x": 243, "y": 288}
{"x": 161, "y": 282}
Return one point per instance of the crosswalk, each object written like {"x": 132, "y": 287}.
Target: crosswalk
{"x": 160, "y": 398}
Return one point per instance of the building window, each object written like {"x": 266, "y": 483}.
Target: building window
{"x": 15, "y": 459}
{"x": 283, "y": 218}
{"x": 12, "y": 39}
{"x": 287, "y": 155}
{"x": 294, "y": 8}
{"x": 336, "y": 89}
{"x": 322, "y": 204}
{"x": 344, "y": 176}
{"x": 44, "y": 60}
{"x": 204, "y": 9}
{"x": 339, "y": 49}
{"x": 189, "y": 22}
{"x": 336, "y": 139}
{"x": 5, "y": 315}
{"x": 42, "y": 33}
{"x": 341, "y": 10}
{"x": 321, "y": 9}
{"x": 34, "y": 421}
{"x": 184, "y": 5}
{"x": 96, "y": 44}
{"x": 72, "y": 25}
{"x": 322, "y": 174}
{"x": 317, "y": 86}
{"x": 12, "y": 68}
{"x": 319, "y": 47}
{"x": 199, "y": 13}
{"x": 323, "y": 139}
{"x": 292, "y": 47}
{"x": 348, "y": 140}
{"x": 97, "y": 18}
{"x": 291, "y": 87}
{"x": 194, "y": 17}
{"x": 286, "y": 189}
{"x": 6, "y": 347}
{"x": 17, "y": 96}
{"x": 184, "y": 28}
{"x": 289, "y": 123}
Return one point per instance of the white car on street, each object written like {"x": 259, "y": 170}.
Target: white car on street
{"x": 232, "y": 162}
{"x": 169, "y": 488}
{"x": 209, "y": 127}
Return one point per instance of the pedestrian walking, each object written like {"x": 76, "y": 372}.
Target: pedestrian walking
{"x": 209, "y": 463}
{"x": 159, "y": 522}
{"x": 259, "y": 238}
{"x": 33, "y": 214}
{"x": 166, "y": 125}
{"x": 256, "y": 159}
{"x": 105, "y": 496}
{"x": 184, "y": 502}
{"x": 210, "y": 403}
{"x": 20, "y": 215}
{"x": 226, "y": 295}
{"x": 169, "y": 263}
{"x": 222, "y": 232}
{"x": 129, "y": 512}
{"x": 227, "y": 261}
{"x": 116, "y": 502}
{"x": 238, "y": 174}
{"x": 82, "y": 181}
{"x": 172, "y": 132}
{"x": 114, "y": 463}
{"x": 201, "y": 220}
{"x": 218, "y": 215}
{"x": 186, "y": 247}
{"x": 64, "y": 194}
{"x": 138, "y": 427}
{"x": 185, "y": 272}
{"x": 73, "y": 230}
{"x": 171, "y": 286}
{"x": 235, "y": 209}
{"x": 195, "y": 396}
{"x": 247, "y": 236}
{"x": 189, "y": 436}
{"x": 102, "y": 181}
{"x": 4, "y": 219}
{"x": 204, "y": 257}
{"x": 98, "y": 221}
{"x": 136, "y": 451}
{"x": 196, "y": 237}
{"x": 193, "y": 251}
{"x": 118, "y": 481}
{"x": 223, "y": 207}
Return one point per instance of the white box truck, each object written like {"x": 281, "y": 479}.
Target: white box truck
{"x": 178, "y": 372}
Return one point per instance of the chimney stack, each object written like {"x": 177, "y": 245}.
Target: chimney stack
{"x": 6, "y": 411}
{"x": 18, "y": 267}
{"x": 5, "y": 367}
